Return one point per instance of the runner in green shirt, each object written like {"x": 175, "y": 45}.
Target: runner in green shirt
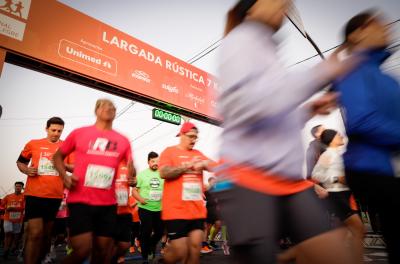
{"x": 150, "y": 187}
{"x": 148, "y": 193}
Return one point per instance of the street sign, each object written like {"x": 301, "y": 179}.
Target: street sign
{"x": 166, "y": 116}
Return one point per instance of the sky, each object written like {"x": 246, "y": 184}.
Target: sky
{"x": 181, "y": 28}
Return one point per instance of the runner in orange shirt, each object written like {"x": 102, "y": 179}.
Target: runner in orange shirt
{"x": 14, "y": 205}
{"x": 183, "y": 206}
{"x": 135, "y": 224}
{"x": 44, "y": 189}
{"x": 124, "y": 216}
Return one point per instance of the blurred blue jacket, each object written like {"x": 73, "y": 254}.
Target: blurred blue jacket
{"x": 371, "y": 101}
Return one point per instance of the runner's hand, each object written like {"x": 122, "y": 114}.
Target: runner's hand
{"x": 342, "y": 180}
{"x": 200, "y": 165}
{"x": 324, "y": 104}
{"x": 187, "y": 166}
{"x": 70, "y": 181}
{"x": 321, "y": 192}
{"x": 31, "y": 171}
{"x": 143, "y": 201}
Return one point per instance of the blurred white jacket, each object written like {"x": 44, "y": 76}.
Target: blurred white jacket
{"x": 259, "y": 102}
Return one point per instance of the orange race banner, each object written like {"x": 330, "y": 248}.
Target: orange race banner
{"x": 56, "y": 34}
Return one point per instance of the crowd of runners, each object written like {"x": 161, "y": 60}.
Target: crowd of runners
{"x": 85, "y": 193}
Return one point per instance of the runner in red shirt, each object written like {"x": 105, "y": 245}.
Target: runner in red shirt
{"x": 98, "y": 151}
{"x": 183, "y": 206}
{"x": 43, "y": 191}
{"x": 14, "y": 205}
{"x": 124, "y": 216}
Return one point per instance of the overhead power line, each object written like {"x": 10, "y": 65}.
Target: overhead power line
{"x": 126, "y": 108}
{"x": 194, "y": 58}
{"x": 145, "y": 133}
{"x": 63, "y": 117}
{"x": 205, "y": 52}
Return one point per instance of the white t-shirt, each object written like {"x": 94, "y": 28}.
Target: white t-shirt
{"x": 328, "y": 169}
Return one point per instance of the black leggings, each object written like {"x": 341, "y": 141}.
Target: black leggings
{"x": 150, "y": 223}
{"x": 382, "y": 193}
{"x": 135, "y": 232}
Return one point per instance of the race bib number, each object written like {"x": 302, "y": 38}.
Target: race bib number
{"x": 46, "y": 167}
{"x": 15, "y": 215}
{"x": 192, "y": 191}
{"x": 155, "y": 195}
{"x": 100, "y": 177}
{"x": 122, "y": 197}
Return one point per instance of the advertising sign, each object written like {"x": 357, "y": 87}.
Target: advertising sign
{"x": 55, "y": 34}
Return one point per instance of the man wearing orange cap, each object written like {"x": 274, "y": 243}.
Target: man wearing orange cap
{"x": 183, "y": 207}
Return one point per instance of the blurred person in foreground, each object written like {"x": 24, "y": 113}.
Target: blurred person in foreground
{"x": 260, "y": 181}
{"x": 371, "y": 100}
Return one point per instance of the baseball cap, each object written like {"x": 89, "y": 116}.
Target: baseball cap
{"x": 186, "y": 127}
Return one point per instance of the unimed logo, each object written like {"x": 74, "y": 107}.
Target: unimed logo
{"x": 13, "y": 17}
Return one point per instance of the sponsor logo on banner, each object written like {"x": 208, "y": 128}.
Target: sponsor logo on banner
{"x": 170, "y": 88}
{"x": 13, "y": 17}
{"x": 87, "y": 57}
{"x": 59, "y": 36}
{"x": 197, "y": 100}
{"x": 141, "y": 75}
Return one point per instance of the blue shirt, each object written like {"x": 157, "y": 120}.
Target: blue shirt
{"x": 371, "y": 100}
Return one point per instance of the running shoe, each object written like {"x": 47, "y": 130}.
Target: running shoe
{"x": 212, "y": 245}
{"x": 132, "y": 249}
{"x": 225, "y": 248}
{"x": 206, "y": 250}
{"x": 47, "y": 259}
{"x": 68, "y": 249}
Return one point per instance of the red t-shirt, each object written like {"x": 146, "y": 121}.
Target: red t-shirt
{"x": 183, "y": 197}
{"x": 14, "y": 207}
{"x": 47, "y": 184}
{"x": 98, "y": 154}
